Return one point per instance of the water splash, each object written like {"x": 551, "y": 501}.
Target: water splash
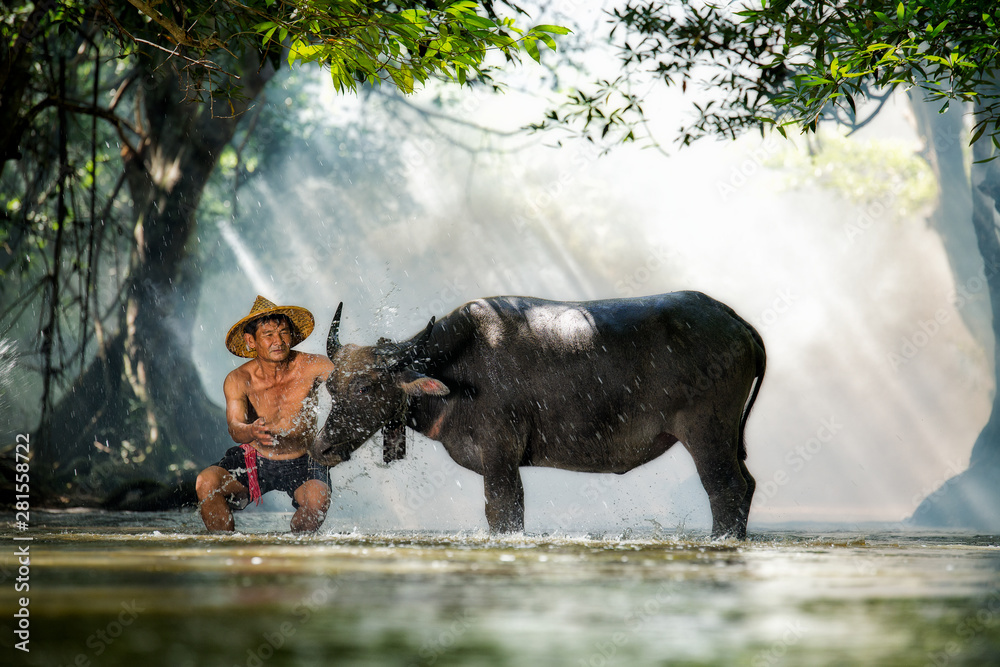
{"x": 8, "y": 363}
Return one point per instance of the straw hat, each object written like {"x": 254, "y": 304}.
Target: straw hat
{"x": 302, "y": 325}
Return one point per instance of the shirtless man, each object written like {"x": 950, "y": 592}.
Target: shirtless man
{"x": 266, "y": 415}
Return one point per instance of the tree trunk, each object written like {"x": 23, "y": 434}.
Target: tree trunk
{"x": 986, "y": 204}
{"x": 141, "y": 403}
{"x": 15, "y": 64}
{"x": 972, "y": 498}
{"x": 945, "y": 138}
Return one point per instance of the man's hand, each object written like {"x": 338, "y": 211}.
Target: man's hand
{"x": 261, "y": 433}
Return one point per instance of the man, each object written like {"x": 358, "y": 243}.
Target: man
{"x": 268, "y": 414}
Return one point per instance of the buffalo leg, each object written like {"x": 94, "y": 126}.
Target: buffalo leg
{"x": 504, "y": 499}
{"x": 747, "y": 497}
{"x": 729, "y": 492}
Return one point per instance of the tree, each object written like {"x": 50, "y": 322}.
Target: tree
{"x": 115, "y": 115}
{"x": 792, "y": 64}
{"x": 358, "y": 42}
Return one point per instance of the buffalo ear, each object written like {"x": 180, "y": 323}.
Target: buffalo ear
{"x": 418, "y": 384}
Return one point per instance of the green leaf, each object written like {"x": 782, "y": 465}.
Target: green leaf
{"x": 531, "y": 46}
{"x": 977, "y": 132}
{"x": 462, "y": 7}
{"x": 553, "y": 29}
{"x": 479, "y": 22}
{"x": 549, "y": 42}
{"x": 403, "y": 78}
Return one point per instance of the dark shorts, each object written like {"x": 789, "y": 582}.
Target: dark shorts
{"x": 286, "y": 475}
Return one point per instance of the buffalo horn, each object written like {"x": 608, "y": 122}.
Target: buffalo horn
{"x": 416, "y": 347}
{"x": 397, "y": 355}
{"x": 332, "y": 339}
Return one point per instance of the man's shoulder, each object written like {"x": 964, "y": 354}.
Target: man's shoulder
{"x": 314, "y": 364}
{"x": 240, "y": 374}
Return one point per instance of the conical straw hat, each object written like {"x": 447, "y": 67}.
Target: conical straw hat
{"x": 302, "y": 325}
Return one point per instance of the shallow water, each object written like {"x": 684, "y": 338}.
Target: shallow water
{"x": 154, "y": 589}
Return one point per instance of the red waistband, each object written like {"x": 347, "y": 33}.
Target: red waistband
{"x": 250, "y": 460}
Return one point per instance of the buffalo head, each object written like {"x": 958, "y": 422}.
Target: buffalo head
{"x": 368, "y": 387}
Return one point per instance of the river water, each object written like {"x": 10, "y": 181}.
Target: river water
{"x": 154, "y": 589}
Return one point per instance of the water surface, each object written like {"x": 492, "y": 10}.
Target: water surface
{"x": 154, "y": 589}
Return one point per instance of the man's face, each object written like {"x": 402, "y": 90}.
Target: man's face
{"x": 272, "y": 340}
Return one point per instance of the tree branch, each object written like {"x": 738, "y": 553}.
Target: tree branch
{"x": 117, "y": 121}
{"x": 199, "y": 62}
{"x": 179, "y": 34}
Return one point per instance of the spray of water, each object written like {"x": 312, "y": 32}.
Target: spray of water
{"x": 8, "y": 359}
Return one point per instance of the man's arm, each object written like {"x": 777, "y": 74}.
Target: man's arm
{"x": 237, "y": 411}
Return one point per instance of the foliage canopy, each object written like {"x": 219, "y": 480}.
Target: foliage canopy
{"x": 360, "y": 42}
{"x": 781, "y": 63}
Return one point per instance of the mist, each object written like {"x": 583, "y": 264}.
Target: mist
{"x": 875, "y": 390}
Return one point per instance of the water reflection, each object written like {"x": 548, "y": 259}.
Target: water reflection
{"x": 121, "y": 588}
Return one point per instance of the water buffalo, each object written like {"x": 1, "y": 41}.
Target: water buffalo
{"x": 596, "y": 386}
